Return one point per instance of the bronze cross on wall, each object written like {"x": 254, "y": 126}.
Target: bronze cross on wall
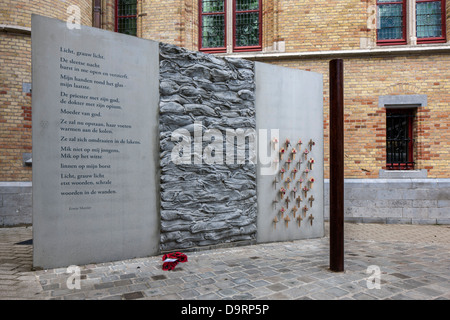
{"x": 287, "y": 219}
{"x": 275, "y": 203}
{"x": 299, "y": 220}
{"x": 275, "y": 221}
{"x": 288, "y": 181}
{"x": 311, "y": 218}
{"x": 288, "y": 143}
{"x": 311, "y": 200}
{"x": 288, "y": 162}
{"x": 305, "y": 191}
{"x": 294, "y": 191}
{"x": 311, "y": 143}
{"x": 287, "y": 202}
{"x": 305, "y": 209}
{"x": 294, "y": 209}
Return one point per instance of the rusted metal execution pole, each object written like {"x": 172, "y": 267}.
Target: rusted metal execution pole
{"x": 337, "y": 165}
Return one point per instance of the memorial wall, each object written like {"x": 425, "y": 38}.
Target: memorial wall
{"x": 141, "y": 147}
{"x": 95, "y": 152}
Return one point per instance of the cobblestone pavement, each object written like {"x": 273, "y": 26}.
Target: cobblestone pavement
{"x": 413, "y": 261}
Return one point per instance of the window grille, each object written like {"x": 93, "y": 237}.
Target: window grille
{"x": 126, "y": 17}
{"x": 399, "y": 139}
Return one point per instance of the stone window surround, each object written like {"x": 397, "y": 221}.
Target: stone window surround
{"x": 403, "y": 102}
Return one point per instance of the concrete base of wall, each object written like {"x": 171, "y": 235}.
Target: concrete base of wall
{"x": 405, "y": 201}
{"x": 15, "y": 204}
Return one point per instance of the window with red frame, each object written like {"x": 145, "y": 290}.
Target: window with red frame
{"x": 247, "y": 25}
{"x": 391, "y": 27}
{"x": 246, "y": 28}
{"x": 126, "y": 17}
{"x": 213, "y": 25}
{"x": 399, "y": 139}
{"x": 430, "y": 21}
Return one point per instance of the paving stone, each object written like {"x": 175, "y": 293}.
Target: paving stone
{"x": 240, "y": 280}
{"x": 209, "y": 296}
{"x": 400, "y": 276}
{"x": 52, "y": 286}
{"x": 243, "y": 287}
{"x": 159, "y": 277}
{"x": 295, "y": 293}
{"x": 336, "y": 292}
{"x": 416, "y": 295}
{"x": 259, "y": 283}
{"x": 429, "y": 291}
{"x": 363, "y": 296}
{"x": 116, "y": 297}
{"x": 61, "y": 292}
{"x": 8, "y": 277}
{"x": 274, "y": 279}
{"x": 224, "y": 284}
{"x": 277, "y": 296}
{"x": 121, "y": 283}
{"x": 189, "y": 294}
{"x": 132, "y": 295}
{"x": 409, "y": 284}
{"x": 118, "y": 290}
{"x": 305, "y": 279}
{"x": 321, "y": 295}
{"x": 128, "y": 276}
{"x": 227, "y": 292}
{"x": 190, "y": 285}
{"x": 75, "y": 296}
{"x": 206, "y": 275}
{"x": 206, "y": 289}
{"x": 291, "y": 283}
{"x": 138, "y": 287}
{"x": 243, "y": 296}
{"x": 104, "y": 285}
{"x": 277, "y": 287}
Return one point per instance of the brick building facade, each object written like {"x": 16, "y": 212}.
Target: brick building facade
{"x": 397, "y": 62}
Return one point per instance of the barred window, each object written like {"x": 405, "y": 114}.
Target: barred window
{"x": 126, "y": 17}
{"x": 399, "y": 139}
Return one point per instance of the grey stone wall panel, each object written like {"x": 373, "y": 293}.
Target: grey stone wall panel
{"x": 418, "y": 201}
{"x": 15, "y": 204}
